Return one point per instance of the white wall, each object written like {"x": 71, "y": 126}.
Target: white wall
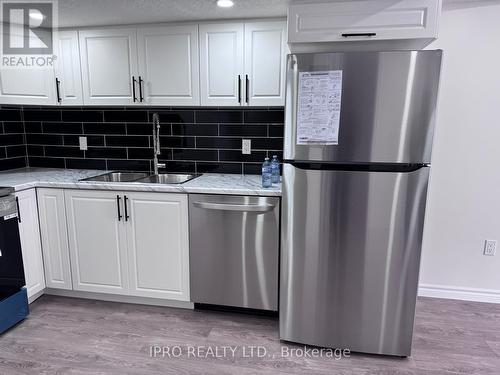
{"x": 464, "y": 196}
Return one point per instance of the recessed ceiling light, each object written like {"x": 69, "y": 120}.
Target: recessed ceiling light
{"x": 36, "y": 15}
{"x": 225, "y": 3}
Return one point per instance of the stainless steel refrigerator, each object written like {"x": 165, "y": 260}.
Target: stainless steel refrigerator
{"x": 358, "y": 138}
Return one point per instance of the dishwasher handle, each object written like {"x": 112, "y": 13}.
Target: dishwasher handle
{"x": 235, "y": 207}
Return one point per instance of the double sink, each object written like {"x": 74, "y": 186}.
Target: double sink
{"x": 162, "y": 178}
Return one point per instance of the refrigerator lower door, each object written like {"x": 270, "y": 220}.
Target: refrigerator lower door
{"x": 351, "y": 244}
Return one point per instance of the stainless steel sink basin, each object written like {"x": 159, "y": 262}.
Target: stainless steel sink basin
{"x": 167, "y": 178}
{"x": 117, "y": 177}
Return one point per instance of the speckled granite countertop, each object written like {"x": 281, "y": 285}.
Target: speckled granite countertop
{"x": 232, "y": 184}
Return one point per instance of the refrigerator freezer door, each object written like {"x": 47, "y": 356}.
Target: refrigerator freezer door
{"x": 351, "y": 245}
{"x": 388, "y": 106}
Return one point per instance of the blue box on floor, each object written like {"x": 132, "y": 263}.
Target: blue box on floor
{"x": 13, "y": 309}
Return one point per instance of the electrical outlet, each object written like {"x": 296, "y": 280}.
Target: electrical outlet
{"x": 246, "y": 147}
{"x": 83, "y": 143}
{"x": 490, "y": 247}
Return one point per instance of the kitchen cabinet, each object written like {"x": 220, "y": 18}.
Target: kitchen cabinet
{"x": 67, "y": 69}
{"x": 29, "y": 231}
{"x": 221, "y": 64}
{"x": 363, "y": 21}
{"x": 129, "y": 243}
{"x": 265, "y": 60}
{"x": 158, "y": 245}
{"x": 168, "y": 65}
{"x": 97, "y": 241}
{"x": 54, "y": 236}
{"x": 243, "y": 63}
{"x": 27, "y": 86}
{"x": 109, "y": 66}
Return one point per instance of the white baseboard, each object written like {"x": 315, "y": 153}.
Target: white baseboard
{"x": 35, "y": 296}
{"x": 118, "y": 298}
{"x": 460, "y": 293}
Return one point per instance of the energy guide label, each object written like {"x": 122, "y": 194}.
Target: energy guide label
{"x": 319, "y": 102}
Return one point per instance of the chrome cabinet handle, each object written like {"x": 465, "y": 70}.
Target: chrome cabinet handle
{"x": 235, "y": 207}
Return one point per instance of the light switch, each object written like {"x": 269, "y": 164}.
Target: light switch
{"x": 246, "y": 147}
{"x": 83, "y": 143}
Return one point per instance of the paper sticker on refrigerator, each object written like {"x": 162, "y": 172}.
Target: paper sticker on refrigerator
{"x": 319, "y": 101}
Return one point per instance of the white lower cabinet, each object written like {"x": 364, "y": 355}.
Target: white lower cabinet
{"x": 53, "y": 232}
{"x": 158, "y": 245}
{"x": 29, "y": 231}
{"x": 129, "y": 243}
{"x": 96, "y": 242}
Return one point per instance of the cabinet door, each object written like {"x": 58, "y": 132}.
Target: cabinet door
{"x": 265, "y": 59}
{"x": 96, "y": 241}
{"x": 168, "y": 64}
{"x": 67, "y": 68}
{"x": 109, "y": 66}
{"x": 363, "y": 20}
{"x": 221, "y": 64}
{"x": 29, "y": 231}
{"x": 158, "y": 245}
{"x": 27, "y": 86}
{"x": 54, "y": 237}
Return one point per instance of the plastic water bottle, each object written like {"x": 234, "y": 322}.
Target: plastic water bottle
{"x": 275, "y": 170}
{"x": 266, "y": 174}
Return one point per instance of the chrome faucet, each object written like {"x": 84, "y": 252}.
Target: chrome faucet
{"x": 156, "y": 143}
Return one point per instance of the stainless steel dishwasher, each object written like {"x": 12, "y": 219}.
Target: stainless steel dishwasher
{"x": 234, "y": 250}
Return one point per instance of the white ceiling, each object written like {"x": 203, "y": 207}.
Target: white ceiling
{"x": 74, "y": 13}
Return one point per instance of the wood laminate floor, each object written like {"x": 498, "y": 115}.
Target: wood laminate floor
{"x": 74, "y": 336}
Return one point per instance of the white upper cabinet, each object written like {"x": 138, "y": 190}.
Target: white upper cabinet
{"x": 109, "y": 66}
{"x": 168, "y": 65}
{"x": 67, "y": 69}
{"x": 265, "y": 59}
{"x": 97, "y": 241}
{"x": 29, "y": 231}
{"x": 27, "y": 86}
{"x": 363, "y": 20}
{"x": 54, "y": 236}
{"x": 222, "y": 64}
{"x": 158, "y": 245}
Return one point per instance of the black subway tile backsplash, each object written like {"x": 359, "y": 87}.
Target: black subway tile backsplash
{"x": 264, "y": 117}
{"x": 127, "y": 141}
{"x": 180, "y": 117}
{"x": 62, "y": 127}
{"x": 193, "y": 140}
{"x": 106, "y": 153}
{"x": 126, "y": 116}
{"x": 42, "y": 115}
{"x": 195, "y": 129}
{"x": 216, "y": 117}
{"x": 82, "y": 116}
{"x": 101, "y": 128}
